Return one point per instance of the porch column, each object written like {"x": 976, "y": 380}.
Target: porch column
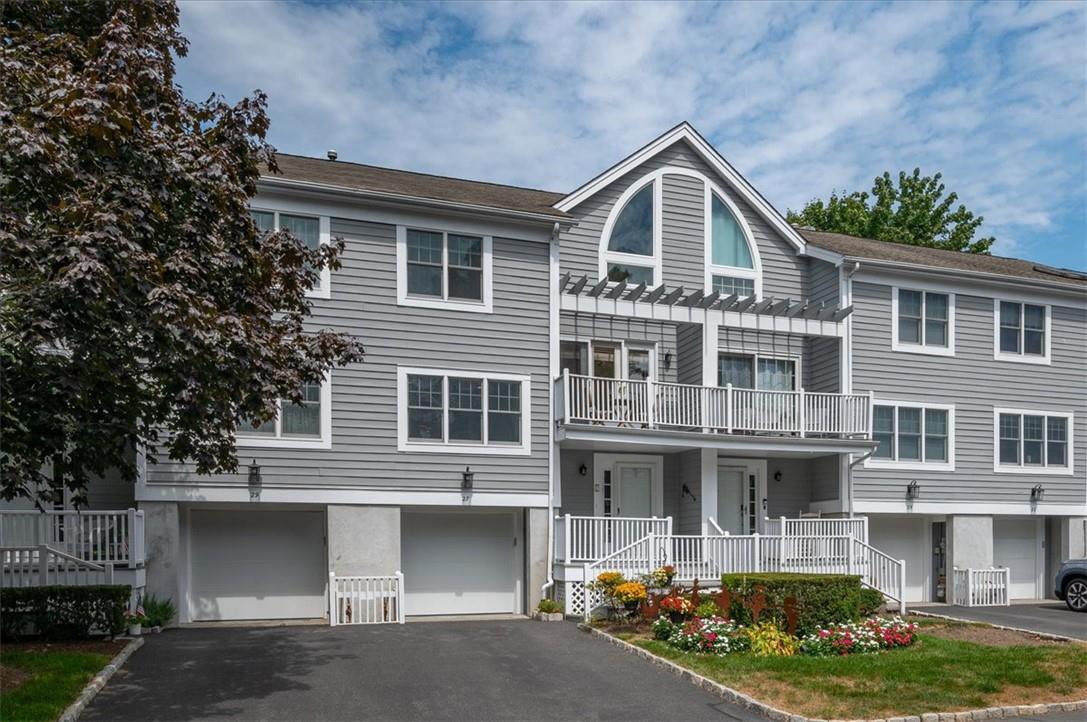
{"x": 970, "y": 542}
{"x": 709, "y": 489}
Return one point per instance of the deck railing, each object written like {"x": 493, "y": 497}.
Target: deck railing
{"x": 796, "y": 527}
{"x": 101, "y": 537}
{"x": 580, "y": 539}
{"x": 39, "y": 566}
{"x": 981, "y": 587}
{"x": 727, "y": 409}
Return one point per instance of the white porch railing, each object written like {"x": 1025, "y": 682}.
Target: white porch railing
{"x": 101, "y": 537}
{"x": 652, "y": 404}
{"x": 366, "y": 599}
{"x": 981, "y": 587}
{"x": 856, "y": 527}
{"x": 39, "y": 566}
{"x": 706, "y": 558}
{"x": 580, "y": 539}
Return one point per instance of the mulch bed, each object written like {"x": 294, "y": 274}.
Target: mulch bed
{"x": 110, "y": 647}
{"x": 989, "y": 636}
{"x": 11, "y": 677}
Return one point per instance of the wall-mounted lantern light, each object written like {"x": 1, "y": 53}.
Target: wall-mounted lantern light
{"x": 255, "y": 480}
{"x": 1037, "y": 493}
{"x": 777, "y": 476}
{"x": 667, "y": 360}
{"x": 583, "y": 470}
{"x": 466, "y": 478}
{"x": 913, "y": 490}
{"x": 686, "y": 491}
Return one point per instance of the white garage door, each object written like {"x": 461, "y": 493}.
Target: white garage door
{"x": 461, "y": 563}
{"x": 258, "y": 565}
{"x": 1015, "y": 545}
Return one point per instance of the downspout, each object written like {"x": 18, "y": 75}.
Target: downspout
{"x": 552, "y": 365}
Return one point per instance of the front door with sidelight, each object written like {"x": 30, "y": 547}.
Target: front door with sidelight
{"x": 738, "y": 497}
{"x": 628, "y": 485}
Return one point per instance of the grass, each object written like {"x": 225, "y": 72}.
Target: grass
{"x": 934, "y": 675}
{"x": 56, "y": 679}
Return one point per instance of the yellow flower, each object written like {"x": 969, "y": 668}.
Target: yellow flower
{"x": 630, "y": 592}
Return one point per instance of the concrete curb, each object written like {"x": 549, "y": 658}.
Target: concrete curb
{"x": 71, "y": 714}
{"x": 773, "y": 713}
{"x": 1042, "y": 635}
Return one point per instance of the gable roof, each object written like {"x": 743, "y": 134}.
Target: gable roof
{"x": 853, "y": 247}
{"x": 422, "y": 186}
{"x": 686, "y": 132}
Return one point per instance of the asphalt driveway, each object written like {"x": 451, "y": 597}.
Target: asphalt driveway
{"x": 492, "y": 670}
{"x": 1047, "y": 617}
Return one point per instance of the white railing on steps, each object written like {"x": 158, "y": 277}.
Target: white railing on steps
{"x": 39, "y": 566}
{"x": 856, "y": 527}
{"x": 981, "y": 587}
{"x": 101, "y": 537}
{"x": 365, "y": 599}
{"x": 655, "y": 404}
{"x": 580, "y": 539}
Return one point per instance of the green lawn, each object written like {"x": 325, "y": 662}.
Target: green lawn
{"x": 934, "y": 675}
{"x": 56, "y": 679}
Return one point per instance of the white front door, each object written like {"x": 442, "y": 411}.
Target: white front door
{"x": 737, "y": 503}
{"x": 628, "y": 485}
{"x": 730, "y": 499}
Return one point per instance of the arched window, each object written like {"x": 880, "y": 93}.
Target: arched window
{"x": 733, "y": 267}
{"x": 630, "y": 252}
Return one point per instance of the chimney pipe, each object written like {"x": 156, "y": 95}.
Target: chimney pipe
{"x": 332, "y": 155}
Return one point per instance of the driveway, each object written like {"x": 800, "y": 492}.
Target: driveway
{"x": 1047, "y": 617}
{"x": 520, "y": 670}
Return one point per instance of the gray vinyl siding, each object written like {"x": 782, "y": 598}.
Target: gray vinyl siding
{"x": 689, "y": 353}
{"x": 823, "y": 281}
{"x": 689, "y": 515}
{"x": 577, "y": 490}
{"x": 825, "y": 473}
{"x": 662, "y": 334}
{"x": 975, "y": 383}
{"x": 746, "y": 341}
{"x": 512, "y": 339}
{"x": 823, "y": 373}
{"x": 683, "y": 221}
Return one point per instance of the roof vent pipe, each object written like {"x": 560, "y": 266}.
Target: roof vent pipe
{"x": 332, "y": 155}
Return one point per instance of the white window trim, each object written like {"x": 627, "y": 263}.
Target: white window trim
{"x": 633, "y": 259}
{"x": 873, "y": 463}
{"x": 1022, "y": 357}
{"x": 1021, "y": 468}
{"x": 797, "y": 359}
{"x": 253, "y": 441}
{"x": 446, "y": 446}
{"x": 403, "y": 298}
{"x": 712, "y": 270}
{"x": 625, "y": 347}
{"x": 324, "y": 237}
{"x": 922, "y": 348}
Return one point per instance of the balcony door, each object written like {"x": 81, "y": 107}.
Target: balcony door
{"x": 628, "y": 485}
{"x": 623, "y": 360}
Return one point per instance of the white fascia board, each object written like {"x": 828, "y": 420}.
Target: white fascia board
{"x": 823, "y": 254}
{"x": 634, "y": 438}
{"x": 389, "y": 208}
{"x": 684, "y": 131}
{"x": 970, "y": 283}
{"x": 687, "y": 314}
{"x": 948, "y": 508}
{"x": 311, "y": 494}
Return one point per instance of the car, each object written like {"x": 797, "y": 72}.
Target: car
{"x": 1070, "y": 584}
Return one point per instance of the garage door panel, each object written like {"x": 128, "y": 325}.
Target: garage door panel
{"x": 257, "y": 565}
{"x": 1015, "y": 546}
{"x": 459, "y": 563}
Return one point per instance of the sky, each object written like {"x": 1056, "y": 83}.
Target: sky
{"x": 803, "y": 99}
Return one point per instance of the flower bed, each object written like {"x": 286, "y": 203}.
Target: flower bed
{"x": 870, "y": 635}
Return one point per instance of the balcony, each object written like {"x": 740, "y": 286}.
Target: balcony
{"x": 653, "y": 405}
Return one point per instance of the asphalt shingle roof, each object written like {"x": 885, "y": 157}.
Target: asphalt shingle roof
{"x": 854, "y": 247}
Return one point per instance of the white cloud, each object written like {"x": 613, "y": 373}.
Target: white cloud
{"x": 802, "y": 98}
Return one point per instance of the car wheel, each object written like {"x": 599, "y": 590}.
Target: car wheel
{"x": 1075, "y": 595}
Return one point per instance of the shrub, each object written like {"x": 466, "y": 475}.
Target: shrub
{"x": 57, "y": 612}
{"x": 707, "y": 608}
{"x": 549, "y": 606}
{"x": 769, "y": 640}
{"x": 822, "y": 599}
{"x": 871, "y": 602}
{"x": 160, "y": 612}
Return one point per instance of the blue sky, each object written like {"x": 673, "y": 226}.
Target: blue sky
{"x": 802, "y": 98}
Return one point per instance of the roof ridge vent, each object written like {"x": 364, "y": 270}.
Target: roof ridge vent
{"x": 332, "y": 154}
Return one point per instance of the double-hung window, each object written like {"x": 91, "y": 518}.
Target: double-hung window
{"x": 306, "y": 423}
{"x": 923, "y": 321}
{"x": 463, "y": 411}
{"x": 1021, "y": 332}
{"x": 913, "y": 436}
{"x": 1032, "y": 442}
{"x": 443, "y": 269}
{"x": 312, "y": 230}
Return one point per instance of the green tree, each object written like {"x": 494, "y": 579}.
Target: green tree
{"x": 136, "y": 293}
{"x": 914, "y": 212}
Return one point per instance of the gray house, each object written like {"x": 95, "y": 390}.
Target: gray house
{"x": 654, "y": 368}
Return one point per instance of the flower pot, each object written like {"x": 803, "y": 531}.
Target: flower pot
{"x": 134, "y": 630}
{"x": 156, "y": 629}
{"x": 549, "y": 616}
{"x": 677, "y": 617}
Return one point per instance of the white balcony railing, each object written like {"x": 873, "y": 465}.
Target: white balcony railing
{"x": 656, "y": 405}
{"x": 100, "y": 537}
{"x": 856, "y": 527}
{"x": 580, "y": 539}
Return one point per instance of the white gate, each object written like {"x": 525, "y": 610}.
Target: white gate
{"x": 366, "y": 600}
